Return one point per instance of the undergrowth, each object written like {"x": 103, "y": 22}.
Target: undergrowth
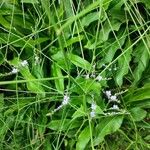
{"x": 74, "y": 74}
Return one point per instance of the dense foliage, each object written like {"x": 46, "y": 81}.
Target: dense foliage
{"x": 74, "y": 74}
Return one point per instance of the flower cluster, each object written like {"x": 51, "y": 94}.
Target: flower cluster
{"x": 65, "y": 101}
{"x": 110, "y": 69}
{"x": 24, "y": 63}
{"x": 15, "y": 70}
{"x": 111, "y": 98}
{"x": 37, "y": 59}
{"x": 93, "y": 109}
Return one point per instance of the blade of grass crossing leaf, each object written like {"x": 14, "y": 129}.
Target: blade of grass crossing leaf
{"x": 123, "y": 66}
{"x": 141, "y": 58}
{"x": 83, "y": 12}
{"x": 59, "y": 83}
{"x": 79, "y": 62}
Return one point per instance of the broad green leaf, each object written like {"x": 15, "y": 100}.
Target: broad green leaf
{"x": 143, "y": 124}
{"x": 141, "y": 58}
{"x": 1, "y": 101}
{"x": 88, "y": 85}
{"x": 138, "y": 113}
{"x": 138, "y": 95}
{"x": 30, "y": 1}
{"x": 18, "y": 41}
{"x": 63, "y": 125}
{"x": 4, "y": 22}
{"x": 60, "y": 59}
{"x": 19, "y": 23}
{"x": 59, "y": 83}
{"x": 108, "y": 26}
{"x": 112, "y": 47}
{"x": 117, "y": 10}
{"x": 83, "y": 138}
{"x": 73, "y": 40}
{"x": 107, "y": 126}
{"x": 6, "y": 125}
{"x": 86, "y": 10}
{"x": 34, "y": 86}
{"x": 1, "y": 56}
{"x": 79, "y": 62}
{"x": 143, "y": 104}
{"x": 78, "y": 113}
{"x": 123, "y": 65}
{"x": 91, "y": 17}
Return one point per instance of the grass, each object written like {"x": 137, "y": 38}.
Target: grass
{"x": 74, "y": 74}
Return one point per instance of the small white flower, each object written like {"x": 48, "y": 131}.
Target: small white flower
{"x": 93, "y": 106}
{"x": 103, "y": 65}
{"x": 113, "y": 113}
{"x": 37, "y": 59}
{"x": 113, "y": 98}
{"x": 14, "y": 70}
{"x": 99, "y": 78}
{"x": 92, "y": 114}
{"x": 65, "y": 100}
{"x": 92, "y": 75}
{"x": 87, "y": 76}
{"x": 115, "y": 107}
{"x": 108, "y": 93}
{"x": 24, "y": 63}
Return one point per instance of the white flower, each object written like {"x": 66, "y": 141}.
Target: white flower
{"x": 14, "y": 70}
{"x": 37, "y": 59}
{"x": 113, "y": 98}
{"x": 92, "y": 114}
{"x": 65, "y": 100}
{"x": 115, "y": 107}
{"x": 103, "y": 65}
{"x": 93, "y": 106}
{"x": 92, "y": 75}
{"x": 108, "y": 93}
{"x": 24, "y": 63}
{"x": 99, "y": 78}
{"x": 87, "y": 76}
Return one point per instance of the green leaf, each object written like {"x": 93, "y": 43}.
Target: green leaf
{"x": 107, "y": 126}
{"x": 83, "y": 139}
{"x": 91, "y": 17}
{"x": 1, "y": 57}
{"x": 78, "y": 113}
{"x": 30, "y": 1}
{"x": 113, "y": 47}
{"x": 87, "y": 85}
{"x": 79, "y": 62}
{"x": 108, "y": 26}
{"x": 73, "y": 40}
{"x": 138, "y": 113}
{"x": 59, "y": 83}
{"x": 63, "y": 125}
{"x": 141, "y": 58}
{"x": 138, "y": 95}
{"x": 123, "y": 64}
{"x": 34, "y": 86}
{"x": 1, "y": 101}
{"x": 60, "y": 59}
